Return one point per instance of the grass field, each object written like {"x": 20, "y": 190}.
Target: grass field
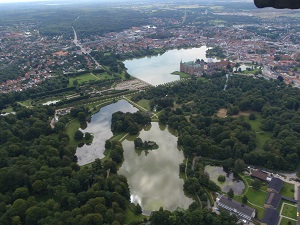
{"x": 71, "y": 129}
{"x": 145, "y": 104}
{"x": 27, "y": 103}
{"x": 287, "y": 190}
{"x": 182, "y": 75}
{"x": 259, "y": 209}
{"x": 257, "y": 197}
{"x": 285, "y": 221}
{"x": 289, "y": 211}
{"x": 131, "y": 217}
{"x": 7, "y": 110}
{"x": 261, "y": 136}
{"x": 82, "y": 79}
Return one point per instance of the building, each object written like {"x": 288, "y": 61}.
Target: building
{"x": 199, "y": 66}
{"x": 240, "y": 210}
{"x": 273, "y": 200}
{"x": 271, "y": 217}
{"x": 275, "y": 185}
{"x": 260, "y": 175}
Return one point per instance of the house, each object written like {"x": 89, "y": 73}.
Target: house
{"x": 240, "y": 210}
{"x": 271, "y": 217}
{"x": 273, "y": 200}
{"x": 260, "y": 175}
{"x": 275, "y": 185}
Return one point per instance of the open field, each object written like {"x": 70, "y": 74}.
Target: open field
{"x": 285, "y": 221}
{"x": 222, "y": 113}
{"x": 289, "y": 211}
{"x": 182, "y": 75}
{"x": 27, "y": 103}
{"x": 257, "y": 197}
{"x": 288, "y": 190}
{"x": 82, "y": 79}
{"x": 131, "y": 217}
{"x": 144, "y": 103}
{"x": 71, "y": 129}
{"x": 261, "y": 136}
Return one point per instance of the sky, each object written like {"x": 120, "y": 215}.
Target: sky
{"x": 12, "y": 1}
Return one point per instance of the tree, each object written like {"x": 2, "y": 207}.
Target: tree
{"x": 244, "y": 199}
{"x": 239, "y": 166}
{"x": 88, "y": 136}
{"x": 78, "y": 135}
{"x": 221, "y": 178}
{"x": 236, "y": 66}
{"x": 252, "y": 116}
{"x": 38, "y": 186}
{"x": 138, "y": 209}
{"x": 230, "y": 193}
{"x": 256, "y": 184}
{"x": 82, "y": 117}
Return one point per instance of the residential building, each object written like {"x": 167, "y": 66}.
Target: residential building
{"x": 275, "y": 185}
{"x": 271, "y": 217}
{"x": 239, "y": 209}
{"x": 260, "y": 175}
{"x": 273, "y": 200}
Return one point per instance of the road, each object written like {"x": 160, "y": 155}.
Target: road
{"x": 83, "y": 50}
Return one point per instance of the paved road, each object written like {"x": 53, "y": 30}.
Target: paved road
{"x": 84, "y": 51}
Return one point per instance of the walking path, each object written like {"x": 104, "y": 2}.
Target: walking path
{"x": 136, "y": 105}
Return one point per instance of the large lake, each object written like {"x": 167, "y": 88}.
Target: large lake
{"x": 100, "y": 126}
{"x": 153, "y": 176}
{"x": 157, "y": 69}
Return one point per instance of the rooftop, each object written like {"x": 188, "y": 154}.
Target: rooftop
{"x": 273, "y": 199}
{"x": 236, "y": 206}
{"x": 276, "y": 184}
{"x": 271, "y": 217}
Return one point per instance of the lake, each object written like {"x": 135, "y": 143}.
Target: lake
{"x": 153, "y": 176}
{"x": 232, "y": 181}
{"x": 157, "y": 69}
{"x": 100, "y": 127}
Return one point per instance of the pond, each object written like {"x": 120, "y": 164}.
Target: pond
{"x": 153, "y": 176}
{"x": 157, "y": 69}
{"x": 100, "y": 127}
{"x": 232, "y": 181}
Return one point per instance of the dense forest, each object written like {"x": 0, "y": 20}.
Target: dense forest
{"x": 129, "y": 122}
{"x": 41, "y": 182}
{"x": 203, "y": 134}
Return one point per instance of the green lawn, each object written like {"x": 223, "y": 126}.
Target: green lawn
{"x": 259, "y": 210}
{"x": 131, "y": 217}
{"x": 7, "y": 110}
{"x": 144, "y": 103}
{"x": 82, "y": 79}
{"x": 71, "y": 128}
{"x": 256, "y": 197}
{"x": 261, "y": 136}
{"x": 182, "y": 75}
{"x": 289, "y": 211}
{"x": 27, "y": 103}
{"x": 287, "y": 190}
{"x": 284, "y": 221}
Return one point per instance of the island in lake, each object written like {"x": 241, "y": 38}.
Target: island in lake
{"x": 146, "y": 145}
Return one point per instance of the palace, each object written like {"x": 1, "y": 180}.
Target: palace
{"x": 198, "y": 67}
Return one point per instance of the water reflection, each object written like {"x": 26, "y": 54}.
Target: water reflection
{"x": 154, "y": 177}
{"x": 157, "y": 69}
{"x": 100, "y": 126}
{"x": 232, "y": 181}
